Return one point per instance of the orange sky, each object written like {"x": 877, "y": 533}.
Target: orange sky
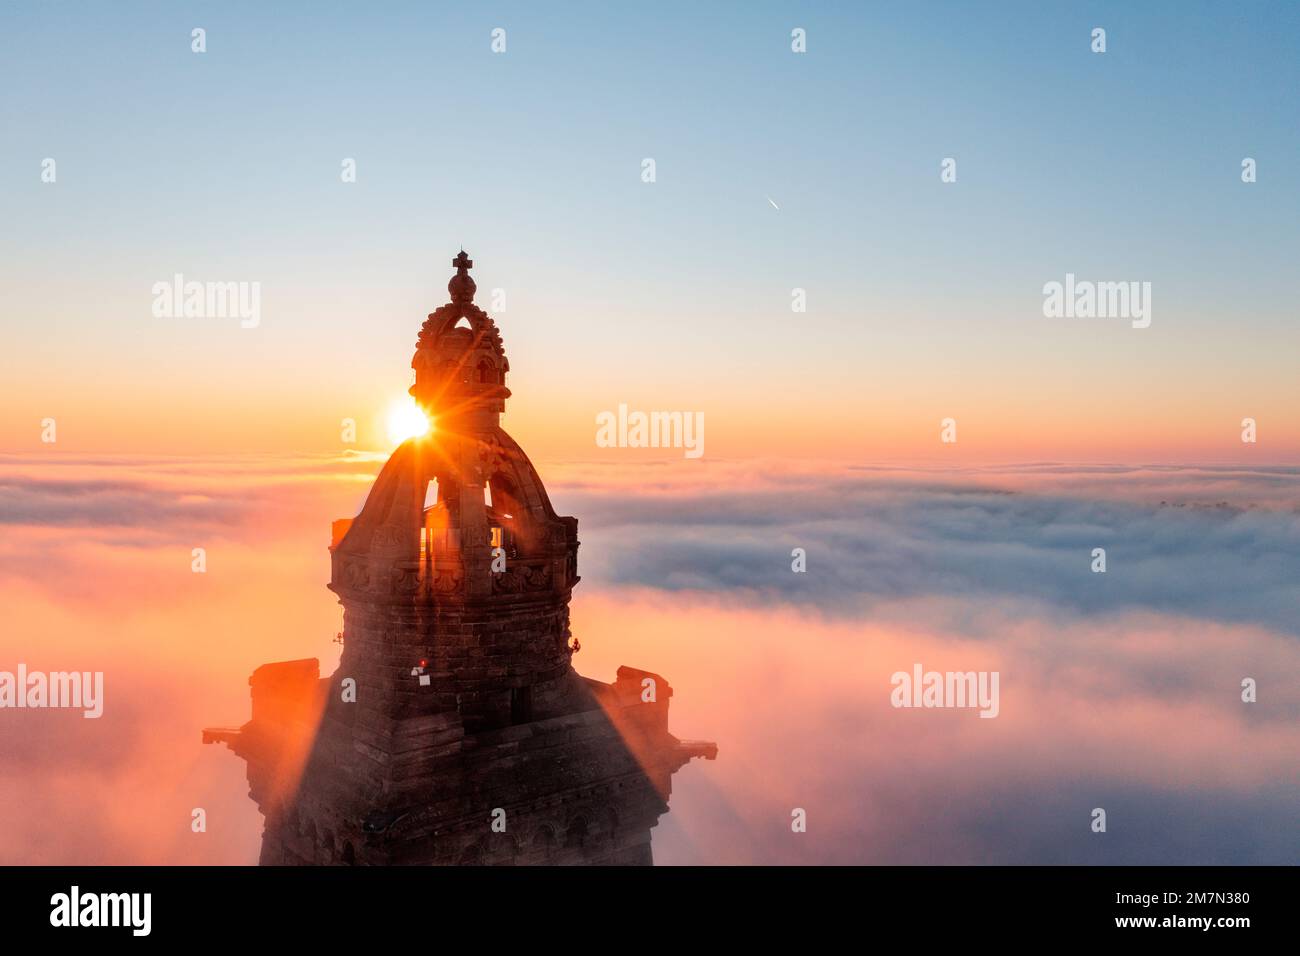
{"x": 129, "y": 408}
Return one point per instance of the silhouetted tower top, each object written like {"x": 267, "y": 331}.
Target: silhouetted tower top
{"x": 460, "y": 364}
{"x": 457, "y": 558}
{"x": 455, "y": 692}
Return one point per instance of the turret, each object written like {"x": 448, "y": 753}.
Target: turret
{"x": 457, "y": 559}
{"x": 455, "y": 698}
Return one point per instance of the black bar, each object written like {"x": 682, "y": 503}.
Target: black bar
{"x": 429, "y": 907}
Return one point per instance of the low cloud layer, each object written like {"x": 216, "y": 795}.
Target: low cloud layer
{"x": 1142, "y": 718}
{"x": 1221, "y": 544}
{"x": 1118, "y": 690}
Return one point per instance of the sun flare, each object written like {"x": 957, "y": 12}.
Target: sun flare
{"x": 406, "y": 420}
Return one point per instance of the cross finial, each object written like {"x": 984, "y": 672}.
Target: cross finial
{"x": 461, "y": 286}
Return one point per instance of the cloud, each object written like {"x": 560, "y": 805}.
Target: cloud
{"x": 1142, "y": 718}
{"x": 1119, "y": 690}
{"x": 1223, "y": 544}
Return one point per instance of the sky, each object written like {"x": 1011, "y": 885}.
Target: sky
{"x": 774, "y": 171}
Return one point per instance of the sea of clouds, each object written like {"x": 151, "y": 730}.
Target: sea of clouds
{"x": 1119, "y": 690}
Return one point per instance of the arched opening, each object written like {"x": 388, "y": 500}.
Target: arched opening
{"x": 521, "y": 705}
{"x": 575, "y": 835}
{"x": 503, "y": 513}
{"x": 435, "y": 520}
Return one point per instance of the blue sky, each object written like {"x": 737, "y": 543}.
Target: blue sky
{"x": 226, "y": 164}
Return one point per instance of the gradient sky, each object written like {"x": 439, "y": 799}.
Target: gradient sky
{"x": 924, "y": 299}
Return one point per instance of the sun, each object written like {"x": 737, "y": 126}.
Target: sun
{"x": 405, "y": 420}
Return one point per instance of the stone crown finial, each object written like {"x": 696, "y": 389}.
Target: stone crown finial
{"x": 462, "y": 287}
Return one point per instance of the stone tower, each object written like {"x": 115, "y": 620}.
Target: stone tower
{"x": 455, "y": 728}
{"x": 415, "y": 569}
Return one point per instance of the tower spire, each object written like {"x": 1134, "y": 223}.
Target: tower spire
{"x": 461, "y": 286}
{"x": 460, "y": 364}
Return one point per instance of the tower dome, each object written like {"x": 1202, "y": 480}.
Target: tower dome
{"x": 455, "y": 692}
{"x": 457, "y": 558}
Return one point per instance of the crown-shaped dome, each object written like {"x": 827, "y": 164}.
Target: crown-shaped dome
{"x": 458, "y": 548}
{"x": 460, "y": 364}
